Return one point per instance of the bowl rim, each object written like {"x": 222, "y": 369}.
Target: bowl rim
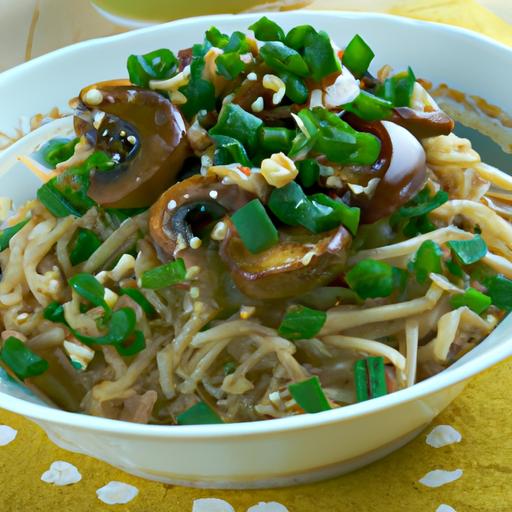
{"x": 437, "y": 383}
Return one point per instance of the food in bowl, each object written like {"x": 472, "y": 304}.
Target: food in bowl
{"x": 253, "y": 228}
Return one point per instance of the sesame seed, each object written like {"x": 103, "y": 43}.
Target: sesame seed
{"x": 213, "y": 194}
{"x": 195, "y": 242}
{"x": 219, "y": 231}
{"x": 93, "y": 97}
{"x": 258, "y": 104}
{"x": 194, "y": 292}
{"x": 252, "y": 76}
{"x": 131, "y": 139}
{"x": 22, "y": 317}
{"x": 122, "y": 133}
{"x": 105, "y": 132}
{"x": 186, "y": 196}
{"x": 192, "y": 272}
{"x": 171, "y": 204}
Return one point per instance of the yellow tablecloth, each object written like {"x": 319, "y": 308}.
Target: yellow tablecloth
{"x": 483, "y": 414}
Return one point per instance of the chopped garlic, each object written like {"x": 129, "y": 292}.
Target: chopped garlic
{"x": 344, "y": 90}
{"x": 195, "y": 242}
{"x": 274, "y": 83}
{"x": 278, "y": 170}
{"x": 117, "y": 493}
{"x": 177, "y": 97}
{"x": 211, "y": 505}
{"x": 316, "y": 98}
{"x": 334, "y": 182}
{"x": 219, "y": 231}
{"x": 253, "y": 182}
{"x": 7, "y": 435}
{"x": 192, "y": 272}
{"x": 61, "y": 473}
{"x": 440, "y": 477}
{"x": 443, "y": 435}
{"x": 258, "y": 104}
{"x": 252, "y": 76}
{"x": 194, "y": 292}
{"x": 246, "y": 312}
{"x": 79, "y": 354}
{"x": 93, "y": 97}
{"x": 198, "y": 137}
{"x": 123, "y": 268}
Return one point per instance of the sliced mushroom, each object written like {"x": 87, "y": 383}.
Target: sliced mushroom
{"x": 402, "y": 180}
{"x": 300, "y": 262}
{"x": 189, "y": 205}
{"x": 143, "y": 132}
{"x": 423, "y": 124}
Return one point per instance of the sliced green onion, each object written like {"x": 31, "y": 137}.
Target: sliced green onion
{"x": 341, "y": 213}
{"x": 138, "y": 297}
{"x": 255, "y": 227}
{"x": 7, "y": 233}
{"x": 276, "y": 139}
{"x": 229, "y": 368}
{"x": 235, "y": 122}
{"x": 199, "y": 414}
{"x": 358, "y": 56}
{"x": 423, "y": 203}
{"x": 370, "y": 107}
{"x": 133, "y": 346}
{"x": 428, "y": 259}
{"x": 216, "y": 37}
{"x": 280, "y": 57}
{"x": 499, "y": 289}
{"x": 156, "y": 65}
{"x": 418, "y": 226}
{"x": 309, "y": 395}
{"x": 200, "y": 93}
{"x": 228, "y": 151}
{"x": 468, "y": 251}
{"x": 297, "y": 36}
{"x": 454, "y": 268}
{"x": 21, "y": 360}
{"x": 370, "y": 378}
{"x": 85, "y": 244}
{"x": 88, "y": 287}
{"x": 301, "y": 323}
{"x": 55, "y": 202}
{"x": 399, "y": 88}
{"x": 296, "y": 88}
{"x": 320, "y": 55}
{"x": 56, "y": 151}
{"x": 267, "y": 30}
{"x": 371, "y": 279}
{"x": 309, "y": 172}
{"x": 54, "y": 312}
{"x": 237, "y": 43}
{"x": 473, "y": 299}
{"x": 165, "y": 275}
{"x": 229, "y": 65}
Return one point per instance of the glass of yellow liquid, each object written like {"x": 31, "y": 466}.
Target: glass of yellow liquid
{"x": 145, "y": 12}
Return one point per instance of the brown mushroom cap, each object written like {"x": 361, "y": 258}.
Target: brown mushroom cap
{"x": 141, "y": 130}
{"x": 169, "y": 221}
{"x": 300, "y": 262}
{"x": 423, "y": 124}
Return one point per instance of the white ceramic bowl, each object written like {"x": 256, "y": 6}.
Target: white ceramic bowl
{"x": 284, "y": 451}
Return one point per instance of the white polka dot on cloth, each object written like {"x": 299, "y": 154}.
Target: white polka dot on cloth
{"x": 117, "y": 493}
{"x": 7, "y": 435}
{"x": 211, "y": 505}
{"x": 440, "y": 477}
{"x": 61, "y": 473}
{"x": 271, "y": 506}
{"x": 443, "y": 435}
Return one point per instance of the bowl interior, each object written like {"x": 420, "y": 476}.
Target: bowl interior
{"x": 439, "y": 53}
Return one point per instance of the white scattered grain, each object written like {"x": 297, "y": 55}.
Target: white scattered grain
{"x": 252, "y": 76}
{"x": 171, "y": 204}
{"x": 131, "y": 139}
{"x": 258, "y": 104}
{"x": 219, "y": 231}
{"x": 61, "y": 473}
{"x": 116, "y": 493}
{"x": 211, "y": 505}
{"x": 440, "y": 477}
{"x": 445, "y": 508}
{"x": 443, "y": 435}
{"x": 93, "y": 97}
{"x": 195, "y": 242}
{"x": 7, "y": 435}
{"x": 270, "y": 506}
{"x": 213, "y": 194}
